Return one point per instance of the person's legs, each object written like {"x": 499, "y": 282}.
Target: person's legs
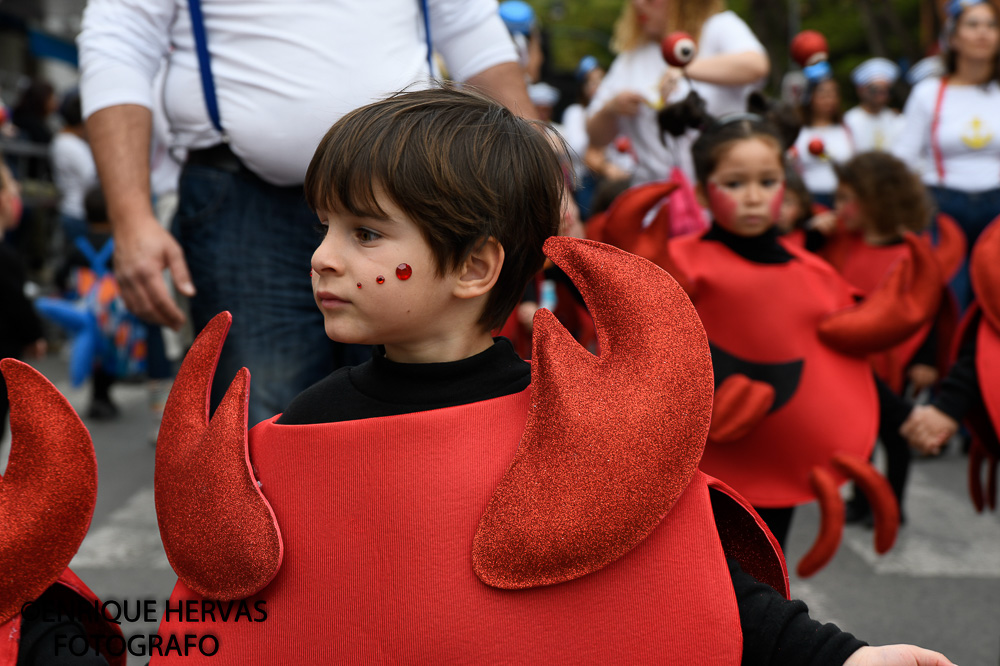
{"x": 248, "y": 245}
{"x": 973, "y": 212}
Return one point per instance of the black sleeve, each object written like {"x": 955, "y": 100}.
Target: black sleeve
{"x": 38, "y": 646}
{"x": 959, "y": 390}
{"x": 927, "y": 354}
{"x": 21, "y": 324}
{"x": 893, "y": 409}
{"x": 815, "y": 240}
{"x": 779, "y": 632}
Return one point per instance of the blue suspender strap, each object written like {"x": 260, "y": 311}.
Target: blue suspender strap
{"x": 201, "y": 46}
{"x": 427, "y": 36}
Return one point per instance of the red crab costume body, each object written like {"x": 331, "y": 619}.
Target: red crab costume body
{"x": 47, "y": 497}
{"x": 565, "y": 523}
{"x": 982, "y": 322}
{"x": 795, "y": 412}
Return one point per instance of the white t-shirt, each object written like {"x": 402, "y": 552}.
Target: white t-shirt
{"x": 284, "y": 71}
{"x": 968, "y": 135}
{"x": 873, "y": 132}
{"x": 641, "y": 70}
{"x": 817, "y": 171}
{"x": 73, "y": 171}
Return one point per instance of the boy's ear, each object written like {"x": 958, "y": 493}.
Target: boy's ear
{"x": 699, "y": 193}
{"x": 480, "y": 270}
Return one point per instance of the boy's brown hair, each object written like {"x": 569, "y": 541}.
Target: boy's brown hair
{"x": 461, "y": 166}
{"x": 891, "y": 196}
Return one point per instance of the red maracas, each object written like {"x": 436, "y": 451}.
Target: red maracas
{"x": 809, "y": 47}
{"x": 623, "y": 144}
{"x": 817, "y": 148}
{"x": 678, "y": 49}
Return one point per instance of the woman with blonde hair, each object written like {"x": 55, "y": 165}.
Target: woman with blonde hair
{"x": 730, "y": 63}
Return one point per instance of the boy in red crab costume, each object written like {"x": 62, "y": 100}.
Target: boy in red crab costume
{"x": 446, "y": 502}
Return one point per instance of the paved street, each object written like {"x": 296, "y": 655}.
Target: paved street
{"x": 939, "y": 587}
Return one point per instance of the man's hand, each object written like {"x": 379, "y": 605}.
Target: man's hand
{"x": 897, "y": 655}
{"x": 143, "y": 249}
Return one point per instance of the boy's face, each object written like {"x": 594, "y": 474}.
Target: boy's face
{"x": 747, "y": 187}
{"x": 376, "y": 281}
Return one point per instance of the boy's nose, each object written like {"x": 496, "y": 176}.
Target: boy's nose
{"x": 326, "y": 257}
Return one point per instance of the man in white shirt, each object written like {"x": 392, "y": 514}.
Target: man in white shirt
{"x": 873, "y": 125}
{"x": 283, "y": 73}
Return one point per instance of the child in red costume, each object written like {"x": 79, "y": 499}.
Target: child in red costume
{"x": 796, "y": 411}
{"x": 971, "y": 390}
{"x": 445, "y": 502}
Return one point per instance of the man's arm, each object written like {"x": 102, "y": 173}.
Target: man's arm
{"x": 119, "y": 137}
{"x": 505, "y": 83}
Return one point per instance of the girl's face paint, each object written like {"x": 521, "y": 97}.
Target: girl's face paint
{"x": 746, "y": 188}
{"x": 845, "y": 204}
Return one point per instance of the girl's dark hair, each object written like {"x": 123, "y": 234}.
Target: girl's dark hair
{"x": 951, "y": 56}
{"x": 70, "y": 109}
{"x": 891, "y": 196}
{"x": 806, "y": 108}
{"x": 773, "y": 121}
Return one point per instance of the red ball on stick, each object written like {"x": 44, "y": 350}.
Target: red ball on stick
{"x": 623, "y": 144}
{"x": 678, "y": 49}
{"x": 809, "y": 47}
{"x": 817, "y": 148}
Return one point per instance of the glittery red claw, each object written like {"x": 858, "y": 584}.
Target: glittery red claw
{"x": 218, "y": 530}
{"x": 403, "y": 271}
{"x": 603, "y": 458}
{"x": 48, "y": 492}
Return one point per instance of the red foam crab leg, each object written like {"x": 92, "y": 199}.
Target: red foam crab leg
{"x": 48, "y": 493}
{"x": 885, "y": 509}
{"x": 739, "y": 405}
{"x": 907, "y": 299}
{"x": 604, "y": 456}
{"x": 218, "y": 530}
{"x": 831, "y": 526}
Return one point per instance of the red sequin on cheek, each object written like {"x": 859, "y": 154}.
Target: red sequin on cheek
{"x": 403, "y": 271}
{"x": 779, "y": 198}
{"x": 722, "y": 205}
{"x": 380, "y": 279}
{"x": 359, "y": 285}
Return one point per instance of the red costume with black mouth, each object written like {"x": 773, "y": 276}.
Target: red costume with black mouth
{"x": 566, "y": 523}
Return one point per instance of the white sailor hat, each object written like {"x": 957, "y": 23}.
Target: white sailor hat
{"x": 542, "y": 94}
{"x": 925, "y": 69}
{"x": 875, "y": 69}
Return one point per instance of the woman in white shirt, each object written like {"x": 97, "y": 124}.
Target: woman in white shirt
{"x": 822, "y": 120}
{"x": 730, "y": 62}
{"x": 952, "y": 125}
{"x": 73, "y": 168}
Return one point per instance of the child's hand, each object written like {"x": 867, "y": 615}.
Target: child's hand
{"x": 897, "y": 655}
{"x": 825, "y": 222}
{"x": 928, "y": 428}
{"x": 922, "y": 376}
{"x": 37, "y": 349}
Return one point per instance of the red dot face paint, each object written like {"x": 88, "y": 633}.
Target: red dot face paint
{"x": 380, "y": 279}
{"x": 359, "y": 285}
{"x": 403, "y": 271}
{"x": 722, "y": 205}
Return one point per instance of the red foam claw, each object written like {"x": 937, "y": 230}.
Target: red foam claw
{"x": 885, "y": 509}
{"x": 985, "y": 272}
{"x": 218, "y": 531}
{"x": 48, "y": 493}
{"x": 907, "y": 299}
{"x": 951, "y": 247}
{"x": 739, "y": 405}
{"x": 623, "y": 226}
{"x": 831, "y": 526}
{"x": 603, "y": 457}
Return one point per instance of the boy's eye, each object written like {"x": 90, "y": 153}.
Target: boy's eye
{"x": 320, "y": 227}
{"x": 366, "y": 235}
{"x": 732, "y": 184}
{"x": 769, "y": 182}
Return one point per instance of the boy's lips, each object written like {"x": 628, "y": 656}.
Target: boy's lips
{"x": 330, "y": 300}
